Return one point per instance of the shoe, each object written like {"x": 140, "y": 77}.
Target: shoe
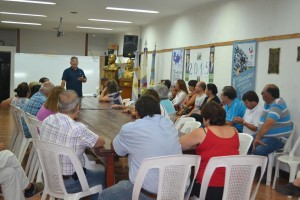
{"x": 289, "y": 190}
{"x": 35, "y": 189}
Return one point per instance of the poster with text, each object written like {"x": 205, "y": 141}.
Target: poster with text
{"x": 177, "y": 65}
{"x": 187, "y": 64}
{"x": 199, "y": 64}
{"x": 243, "y": 67}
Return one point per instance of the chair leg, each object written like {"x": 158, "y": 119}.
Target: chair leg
{"x": 270, "y": 168}
{"x": 276, "y": 174}
{"x": 293, "y": 171}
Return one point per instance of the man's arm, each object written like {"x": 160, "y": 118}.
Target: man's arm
{"x": 100, "y": 142}
{"x": 264, "y": 129}
{"x": 63, "y": 83}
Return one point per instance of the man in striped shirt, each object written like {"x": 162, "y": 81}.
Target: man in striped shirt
{"x": 275, "y": 122}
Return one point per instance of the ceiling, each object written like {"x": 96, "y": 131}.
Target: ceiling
{"x": 96, "y": 9}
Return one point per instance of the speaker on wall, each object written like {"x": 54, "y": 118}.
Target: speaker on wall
{"x": 130, "y": 45}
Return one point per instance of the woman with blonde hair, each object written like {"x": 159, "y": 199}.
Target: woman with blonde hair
{"x": 50, "y": 106}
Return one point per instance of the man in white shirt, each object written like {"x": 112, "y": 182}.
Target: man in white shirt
{"x": 252, "y": 114}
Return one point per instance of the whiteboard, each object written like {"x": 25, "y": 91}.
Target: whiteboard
{"x": 31, "y": 67}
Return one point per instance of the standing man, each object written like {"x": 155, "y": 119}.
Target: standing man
{"x": 275, "y": 121}
{"x": 74, "y": 77}
{"x": 149, "y": 136}
{"x": 61, "y": 128}
{"x": 253, "y": 112}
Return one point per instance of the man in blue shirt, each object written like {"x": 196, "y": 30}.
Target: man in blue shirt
{"x": 275, "y": 121}
{"x": 74, "y": 77}
{"x": 233, "y": 107}
{"x": 149, "y": 136}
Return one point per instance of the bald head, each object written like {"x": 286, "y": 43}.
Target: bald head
{"x": 68, "y": 102}
{"x": 270, "y": 93}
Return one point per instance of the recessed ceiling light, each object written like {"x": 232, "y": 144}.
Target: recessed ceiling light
{"x": 107, "y": 20}
{"x": 28, "y": 1}
{"x": 131, "y": 10}
{"x": 27, "y": 23}
{"x": 24, "y": 14}
{"x": 86, "y": 27}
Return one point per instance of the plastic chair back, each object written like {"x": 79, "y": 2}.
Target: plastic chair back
{"x": 49, "y": 155}
{"x": 174, "y": 173}
{"x": 245, "y": 142}
{"x": 189, "y": 127}
{"x": 239, "y": 175}
{"x": 172, "y": 116}
{"x": 180, "y": 121}
{"x": 34, "y": 125}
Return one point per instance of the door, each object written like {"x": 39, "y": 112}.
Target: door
{"x": 5, "y": 64}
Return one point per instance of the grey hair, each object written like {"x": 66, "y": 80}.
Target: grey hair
{"x": 68, "y": 101}
{"x": 162, "y": 91}
{"x": 46, "y": 88}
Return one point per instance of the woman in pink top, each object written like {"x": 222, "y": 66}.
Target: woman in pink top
{"x": 216, "y": 139}
{"x": 50, "y": 106}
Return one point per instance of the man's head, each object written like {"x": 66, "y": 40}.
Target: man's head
{"x": 147, "y": 105}
{"x": 74, "y": 62}
{"x": 228, "y": 94}
{"x": 46, "y": 88}
{"x": 111, "y": 59}
{"x": 200, "y": 87}
{"x": 68, "y": 103}
{"x": 250, "y": 99}
{"x": 270, "y": 93}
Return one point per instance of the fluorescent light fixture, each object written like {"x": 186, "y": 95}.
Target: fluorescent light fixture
{"x": 86, "y": 27}
{"x": 24, "y": 14}
{"x": 107, "y": 20}
{"x": 26, "y": 23}
{"x": 131, "y": 10}
{"x": 28, "y": 1}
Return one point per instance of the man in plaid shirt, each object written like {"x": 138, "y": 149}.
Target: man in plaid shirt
{"x": 60, "y": 128}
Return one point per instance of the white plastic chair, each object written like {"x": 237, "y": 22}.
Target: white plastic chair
{"x": 180, "y": 121}
{"x": 22, "y": 143}
{"x": 189, "y": 127}
{"x": 291, "y": 160}
{"x": 285, "y": 150}
{"x": 49, "y": 155}
{"x": 174, "y": 173}
{"x": 172, "y": 116}
{"x": 245, "y": 142}
{"x": 239, "y": 175}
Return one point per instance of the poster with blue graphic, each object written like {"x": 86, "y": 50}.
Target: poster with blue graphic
{"x": 243, "y": 67}
{"x": 177, "y": 65}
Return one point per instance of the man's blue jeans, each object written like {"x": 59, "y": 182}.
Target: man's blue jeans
{"x": 122, "y": 190}
{"x": 272, "y": 144}
{"x": 94, "y": 177}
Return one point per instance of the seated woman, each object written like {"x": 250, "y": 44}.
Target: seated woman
{"x": 50, "y": 106}
{"x": 216, "y": 139}
{"x": 163, "y": 91}
{"x": 189, "y": 101}
{"x": 22, "y": 94}
{"x": 111, "y": 93}
{"x": 180, "y": 86}
{"x": 211, "y": 92}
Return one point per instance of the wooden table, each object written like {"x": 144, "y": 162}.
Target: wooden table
{"x": 107, "y": 122}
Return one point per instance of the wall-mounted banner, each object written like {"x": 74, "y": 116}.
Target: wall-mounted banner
{"x": 243, "y": 67}
{"x": 177, "y": 65}
{"x": 211, "y": 65}
{"x": 188, "y": 65}
{"x": 199, "y": 67}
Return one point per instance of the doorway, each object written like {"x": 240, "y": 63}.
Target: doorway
{"x": 5, "y": 69}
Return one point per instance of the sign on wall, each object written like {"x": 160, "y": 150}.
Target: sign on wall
{"x": 198, "y": 68}
{"x": 243, "y": 67}
{"x": 177, "y": 65}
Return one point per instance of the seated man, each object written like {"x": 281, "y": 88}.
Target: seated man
{"x": 233, "y": 107}
{"x": 34, "y": 104}
{"x": 275, "y": 121}
{"x": 13, "y": 179}
{"x": 149, "y": 136}
{"x": 253, "y": 112}
{"x": 60, "y": 128}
